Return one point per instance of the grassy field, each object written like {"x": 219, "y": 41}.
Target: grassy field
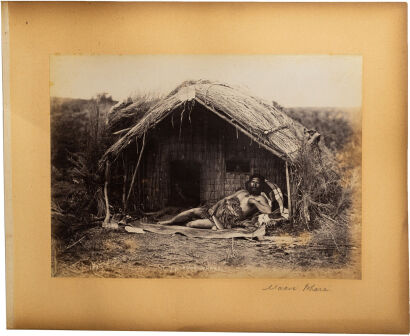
{"x": 111, "y": 253}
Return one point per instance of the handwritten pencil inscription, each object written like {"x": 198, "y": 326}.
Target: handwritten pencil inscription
{"x": 308, "y": 287}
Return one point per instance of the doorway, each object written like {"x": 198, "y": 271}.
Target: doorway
{"x": 185, "y": 183}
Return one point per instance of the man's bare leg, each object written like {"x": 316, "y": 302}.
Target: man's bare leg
{"x": 201, "y": 224}
{"x": 183, "y": 216}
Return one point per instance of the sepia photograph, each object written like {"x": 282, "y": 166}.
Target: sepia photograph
{"x": 206, "y": 166}
{"x": 215, "y": 167}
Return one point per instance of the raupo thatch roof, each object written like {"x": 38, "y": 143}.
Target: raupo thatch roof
{"x": 260, "y": 120}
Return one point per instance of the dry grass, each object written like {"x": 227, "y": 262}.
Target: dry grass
{"x": 316, "y": 184}
{"x": 110, "y": 253}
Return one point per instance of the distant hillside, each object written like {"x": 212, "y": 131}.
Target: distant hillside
{"x": 335, "y": 124}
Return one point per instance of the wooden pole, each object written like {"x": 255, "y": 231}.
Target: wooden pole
{"x": 135, "y": 172}
{"x": 124, "y": 185}
{"x": 288, "y": 188}
{"x": 107, "y": 205}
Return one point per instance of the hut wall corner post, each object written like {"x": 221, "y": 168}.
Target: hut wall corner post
{"x": 124, "y": 185}
{"x": 135, "y": 172}
{"x": 288, "y": 189}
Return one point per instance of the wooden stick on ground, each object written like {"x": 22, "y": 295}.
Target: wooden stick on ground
{"x": 73, "y": 244}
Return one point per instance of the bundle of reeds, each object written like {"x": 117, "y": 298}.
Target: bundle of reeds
{"x": 316, "y": 186}
{"x": 126, "y": 114}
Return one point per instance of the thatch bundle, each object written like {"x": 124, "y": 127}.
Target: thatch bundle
{"x": 315, "y": 184}
{"x": 129, "y": 112}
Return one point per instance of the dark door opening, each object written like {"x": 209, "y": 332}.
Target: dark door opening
{"x": 185, "y": 183}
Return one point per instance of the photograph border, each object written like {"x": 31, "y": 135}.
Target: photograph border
{"x": 377, "y": 31}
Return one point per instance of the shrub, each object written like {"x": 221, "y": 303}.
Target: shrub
{"x": 77, "y": 196}
{"x": 316, "y": 185}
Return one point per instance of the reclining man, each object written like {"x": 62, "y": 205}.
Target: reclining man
{"x": 229, "y": 211}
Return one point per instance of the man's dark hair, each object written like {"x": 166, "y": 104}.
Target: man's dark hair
{"x": 259, "y": 176}
{"x": 263, "y": 186}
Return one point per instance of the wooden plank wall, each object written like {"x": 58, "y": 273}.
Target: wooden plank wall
{"x": 208, "y": 140}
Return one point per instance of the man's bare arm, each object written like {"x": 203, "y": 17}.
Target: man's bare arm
{"x": 261, "y": 204}
{"x": 235, "y": 194}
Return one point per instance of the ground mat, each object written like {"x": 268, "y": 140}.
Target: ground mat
{"x": 135, "y": 227}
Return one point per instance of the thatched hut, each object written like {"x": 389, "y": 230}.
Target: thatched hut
{"x": 196, "y": 145}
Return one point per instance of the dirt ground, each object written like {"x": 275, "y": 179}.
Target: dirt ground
{"x": 99, "y": 252}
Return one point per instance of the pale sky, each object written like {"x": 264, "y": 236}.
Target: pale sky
{"x": 316, "y": 81}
